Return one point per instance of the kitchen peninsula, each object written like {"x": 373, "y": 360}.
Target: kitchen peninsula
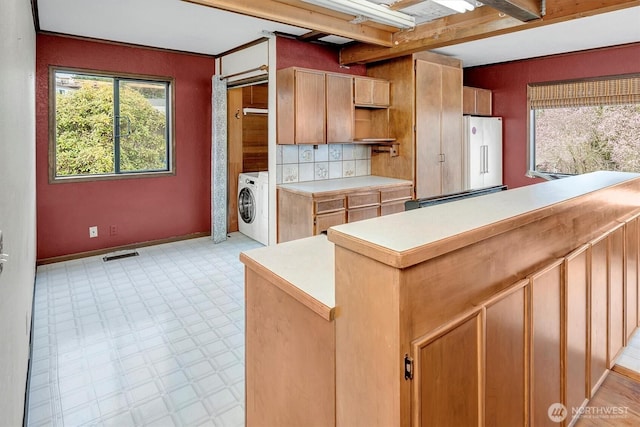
{"x": 483, "y": 311}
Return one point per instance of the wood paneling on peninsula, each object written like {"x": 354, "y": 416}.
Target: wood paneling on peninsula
{"x": 483, "y": 311}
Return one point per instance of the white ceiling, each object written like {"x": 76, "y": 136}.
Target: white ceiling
{"x": 178, "y": 25}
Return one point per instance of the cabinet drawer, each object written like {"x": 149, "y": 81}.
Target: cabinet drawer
{"x": 391, "y": 208}
{"x": 359, "y": 200}
{"x": 333, "y": 204}
{"x": 323, "y": 222}
{"x": 363, "y": 213}
{"x": 396, "y": 193}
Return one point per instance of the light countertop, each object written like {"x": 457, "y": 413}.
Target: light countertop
{"x": 408, "y": 231}
{"x": 303, "y": 268}
{"x": 342, "y": 184}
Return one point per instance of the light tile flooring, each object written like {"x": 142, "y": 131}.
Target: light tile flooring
{"x": 152, "y": 340}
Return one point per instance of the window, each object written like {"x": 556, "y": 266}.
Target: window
{"x": 105, "y": 125}
{"x": 583, "y": 126}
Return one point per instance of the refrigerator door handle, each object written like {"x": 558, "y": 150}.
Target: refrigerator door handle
{"x": 486, "y": 159}
{"x": 483, "y": 158}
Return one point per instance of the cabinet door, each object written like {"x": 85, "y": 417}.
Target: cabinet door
{"x": 616, "y": 294}
{"x": 451, "y": 137}
{"x": 340, "y": 120}
{"x": 309, "y": 107}
{"x": 371, "y": 92}
{"x": 631, "y": 278}
{"x": 506, "y": 367}
{"x": 428, "y": 129}
{"x": 599, "y": 312}
{"x": 439, "y": 129}
{"x": 447, "y": 380}
{"x": 576, "y": 291}
{"x": 468, "y": 100}
{"x": 483, "y": 102}
{"x": 546, "y": 348}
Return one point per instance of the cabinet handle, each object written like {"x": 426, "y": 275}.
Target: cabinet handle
{"x": 441, "y": 158}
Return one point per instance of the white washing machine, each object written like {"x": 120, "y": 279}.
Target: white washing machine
{"x": 253, "y": 205}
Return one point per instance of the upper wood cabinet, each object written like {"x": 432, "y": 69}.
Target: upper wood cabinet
{"x": 339, "y": 102}
{"x": 371, "y": 92}
{"x": 476, "y": 101}
{"x": 314, "y": 107}
{"x": 300, "y": 106}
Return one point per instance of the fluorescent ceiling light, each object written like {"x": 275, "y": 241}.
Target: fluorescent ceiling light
{"x": 368, "y": 10}
{"x": 459, "y": 6}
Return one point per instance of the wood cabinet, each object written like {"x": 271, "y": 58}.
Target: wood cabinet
{"x": 426, "y": 121}
{"x": 448, "y": 380}
{"x": 439, "y": 323}
{"x": 506, "y": 371}
{"x": 371, "y": 102}
{"x": 495, "y": 324}
{"x": 303, "y": 214}
{"x": 439, "y": 133}
{"x": 576, "y": 326}
{"x": 316, "y": 107}
{"x": 476, "y": 101}
{"x": 301, "y": 106}
{"x": 370, "y": 92}
{"x": 616, "y": 293}
{"x": 340, "y": 112}
{"x": 599, "y": 288}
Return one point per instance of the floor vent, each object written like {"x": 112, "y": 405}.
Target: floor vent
{"x": 121, "y": 255}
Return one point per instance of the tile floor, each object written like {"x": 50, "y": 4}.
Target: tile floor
{"x": 152, "y": 340}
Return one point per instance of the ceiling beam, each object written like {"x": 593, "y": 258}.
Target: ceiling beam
{"x": 314, "y": 20}
{"x": 481, "y": 23}
{"x": 312, "y": 36}
{"x": 523, "y": 10}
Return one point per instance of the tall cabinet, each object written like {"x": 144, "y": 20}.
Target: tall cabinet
{"x": 426, "y": 119}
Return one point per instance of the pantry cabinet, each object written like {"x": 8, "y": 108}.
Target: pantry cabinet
{"x": 426, "y": 121}
{"x": 438, "y": 129}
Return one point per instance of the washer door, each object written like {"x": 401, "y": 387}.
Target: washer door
{"x": 247, "y": 205}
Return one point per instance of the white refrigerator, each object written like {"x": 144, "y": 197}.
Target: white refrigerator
{"x": 482, "y": 152}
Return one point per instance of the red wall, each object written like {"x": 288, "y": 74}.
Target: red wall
{"x": 142, "y": 209}
{"x": 509, "y": 81}
{"x": 294, "y": 53}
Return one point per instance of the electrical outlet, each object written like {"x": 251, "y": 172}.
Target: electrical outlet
{"x": 113, "y": 230}
{"x": 93, "y": 231}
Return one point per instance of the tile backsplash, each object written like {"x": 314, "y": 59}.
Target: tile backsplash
{"x": 298, "y": 163}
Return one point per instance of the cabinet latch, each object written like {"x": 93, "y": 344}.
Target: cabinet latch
{"x": 408, "y": 367}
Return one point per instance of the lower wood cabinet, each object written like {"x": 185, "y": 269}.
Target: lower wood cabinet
{"x": 616, "y": 293}
{"x": 576, "y": 292}
{"x": 447, "y": 379}
{"x": 541, "y": 341}
{"x": 506, "y": 357}
{"x": 307, "y": 214}
{"x": 599, "y": 289}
